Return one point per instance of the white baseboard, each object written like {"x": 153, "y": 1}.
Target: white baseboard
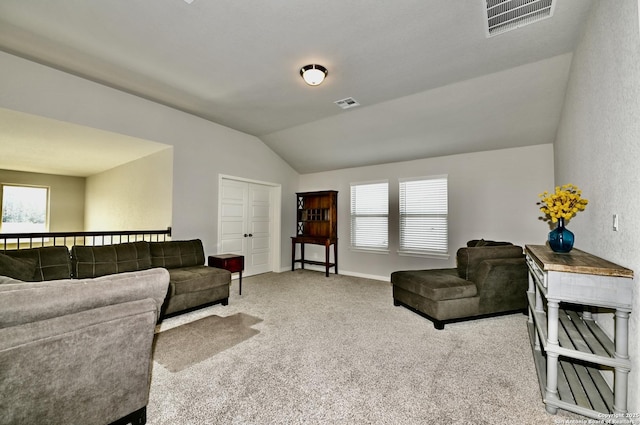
{"x": 366, "y": 276}
{"x": 346, "y": 273}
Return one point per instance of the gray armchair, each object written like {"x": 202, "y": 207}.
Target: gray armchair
{"x": 490, "y": 278}
{"x": 78, "y": 351}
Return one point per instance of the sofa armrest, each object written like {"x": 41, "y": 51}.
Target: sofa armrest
{"x": 502, "y": 284}
{"x": 89, "y": 366}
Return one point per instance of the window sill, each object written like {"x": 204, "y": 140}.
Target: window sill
{"x": 370, "y": 250}
{"x": 423, "y": 254}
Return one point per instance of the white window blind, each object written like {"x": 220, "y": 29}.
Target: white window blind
{"x": 423, "y": 215}
{"x": 370, "y": 215}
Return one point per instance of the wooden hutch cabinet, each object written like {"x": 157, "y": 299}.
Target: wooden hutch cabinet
{"x": 317, "y": 223}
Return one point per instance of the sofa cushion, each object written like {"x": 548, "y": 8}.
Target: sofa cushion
{"x": 436, "y": 284}
{"x": 94, "y": 261}
{"x": 469, "y": 258}
{"x": 174, "y": 254}
{"x": 17, "y": 268}
{"x": 197, "y": 278}
{"x": 52, "y": 262}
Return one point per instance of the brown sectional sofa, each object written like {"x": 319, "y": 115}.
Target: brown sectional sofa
{"x": 78, "y": 351}
{"x": 490, "y": 279}
{"x": 77, "y": 326}
{"x": 192, "y": 283}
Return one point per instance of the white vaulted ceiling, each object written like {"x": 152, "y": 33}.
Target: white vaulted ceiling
{"x": 428, "y": 79}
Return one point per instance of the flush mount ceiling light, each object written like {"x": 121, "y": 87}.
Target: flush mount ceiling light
{"x": 313, "y": 74}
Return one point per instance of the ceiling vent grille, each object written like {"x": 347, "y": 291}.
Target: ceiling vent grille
{"x": 506, "y": 15}
{"x": 347, "y": 103}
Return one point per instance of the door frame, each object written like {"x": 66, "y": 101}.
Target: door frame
{"x": 276, "y": 205}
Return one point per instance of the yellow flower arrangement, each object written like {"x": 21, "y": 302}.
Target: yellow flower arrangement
{"x": 564, "y": 203}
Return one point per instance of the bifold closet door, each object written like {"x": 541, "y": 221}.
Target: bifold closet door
{"x": 246, "y": 223}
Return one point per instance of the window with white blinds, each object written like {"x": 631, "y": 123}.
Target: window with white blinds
{"x": 370, "y": 215}
{"x": 423, "y": 215}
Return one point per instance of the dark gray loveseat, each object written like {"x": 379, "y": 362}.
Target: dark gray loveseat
{"x": 192, "y": 283}
{"x": 490, "y": 278}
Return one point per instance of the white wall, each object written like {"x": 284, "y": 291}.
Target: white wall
{"x": 492, "y": 195}
{"x": 134, "y": 196}
{"x": 598, "y": 148}
{"x": 202, "y": 149}
{"x": 66, "y": 197}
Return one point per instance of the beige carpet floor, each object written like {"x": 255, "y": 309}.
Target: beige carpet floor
{"x": 336, "y": 351}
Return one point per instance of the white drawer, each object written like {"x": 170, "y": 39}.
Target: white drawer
{"x": 536, "y": 272}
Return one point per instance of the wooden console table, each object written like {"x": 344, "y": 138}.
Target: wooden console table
{"x": 569, "y": 348}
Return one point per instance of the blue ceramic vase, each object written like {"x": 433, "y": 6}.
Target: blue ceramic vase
{"x": 561, "y": 239}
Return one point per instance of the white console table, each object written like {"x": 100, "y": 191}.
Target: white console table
{"x": 569, "y": 348}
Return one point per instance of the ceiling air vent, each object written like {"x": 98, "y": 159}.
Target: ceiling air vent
{"x": 347, "y": 103}
{"x": 506, "y": 15}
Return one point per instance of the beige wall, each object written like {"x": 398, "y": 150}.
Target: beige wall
{"x": 492, "y": 195}
{"x": 66, "y": 197}
{"x": 133, "y": 196}
{"x": 598, "y": 148}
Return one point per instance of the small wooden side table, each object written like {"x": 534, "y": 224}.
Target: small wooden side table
{"x": 232, "y": 262}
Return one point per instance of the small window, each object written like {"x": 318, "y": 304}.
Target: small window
{"x": 370, "y": 215}
{"x": 24, "y": 209}
{"x": 423, "y": 215}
